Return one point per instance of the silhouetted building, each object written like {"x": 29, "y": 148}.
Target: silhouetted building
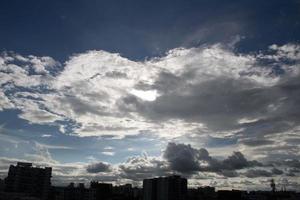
{"x": 269, "y": 195}
{"x": 165, "y": 188}
{"x": 124, "y": 191}
{"x": 137, "y": 193}
{"x": 203, "y": 193}
{"x": 229, "y": 194}
{"x": 72, "y": 193}
{"x": 1, "y": 185}
{"x": 25, "y": 182}
{"x": 100, "y": 190}
{"x": 29, "y": 180}
{"x": 150, "y": 189}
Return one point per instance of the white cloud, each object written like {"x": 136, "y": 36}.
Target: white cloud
{"x": 46, "y": 135}
{"x": 104, "y": 93}
{"x": 108, "y": 153}
{"x": 109, "y": 148}
{"x": 149, "y": 95}
{"x": 41, "y": 64}
{"x": 5, "y": 103}
{"x": 289, "y": 51}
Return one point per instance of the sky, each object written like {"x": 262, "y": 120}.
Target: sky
{"x": 123, "y": 90}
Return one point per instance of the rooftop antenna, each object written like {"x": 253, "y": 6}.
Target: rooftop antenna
{"x": 283, "y": 188}
{"x": 273, "y": 186}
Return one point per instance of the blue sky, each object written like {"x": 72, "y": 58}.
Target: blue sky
{"x": 119, "y": 91}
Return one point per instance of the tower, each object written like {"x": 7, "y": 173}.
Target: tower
{"x": 273, "y": 186}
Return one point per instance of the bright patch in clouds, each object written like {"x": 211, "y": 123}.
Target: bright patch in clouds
{"x": 150, "y": 95}
{"x": 100, "y": 93}
{"x": 108, "y": 153}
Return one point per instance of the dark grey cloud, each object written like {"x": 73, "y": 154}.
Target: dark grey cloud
{"x": 222, "y": 102}
{"x": 256, "y": 142}
{"x": 189, "y": 161}
{"x": 229, "y": 173}
{"x": 277, "y": 171}
{"x": 226, "y": 101}
{"x": 293, "y": 163}
{"x": 210, "y": 101}
{"x": 186, "y": 159}
{"x": 290, "y": 174}
{"x": 183, "y": 159}
{"x": 292, "y": 171}
{"x": 293, "y": 141}
{"x": 238, "y": 161}
{"x": 98, "y": 167}
{"x": 253, "y": 173}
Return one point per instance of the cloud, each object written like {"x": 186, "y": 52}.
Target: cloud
{"x": 253, "y": 173}
{"x": 135, "y": 169}
{"x": 41, "y": 155}
{"x": 98, "y": 167}
{"x": 292, "y": 163}
{"x": 210, "y": 85}
{"x": 186, "y": 159}
{"x": 238, "y": 161}
{"x": 191, "y": 162}
{"x": 208, "y": 91}
{"x": 141, "y": 167}
{"x": 256, "y": 142}
{"x": 277, "y": 171}
{"x": 287, "y": 51}
{"x": 5, "y": 102}
{"x": 108, "y": 153}
{"x": 229, "y": 173}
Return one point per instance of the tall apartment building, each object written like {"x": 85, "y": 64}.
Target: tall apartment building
{"x": 1, "y": 185}
{"x": 165, "y": 188}
{"x": 32, "y": 181}
{"x": 101, "y": 191}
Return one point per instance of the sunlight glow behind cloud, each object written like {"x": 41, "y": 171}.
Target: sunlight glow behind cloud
{"x": 149, "y": 95}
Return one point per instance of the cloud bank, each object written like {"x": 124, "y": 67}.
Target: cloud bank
{"x": 210, "y": 94}
{"x": 106, "y": 94}
{"x": 195, "y": 164}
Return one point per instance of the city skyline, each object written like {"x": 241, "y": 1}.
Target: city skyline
{"x": 119, "y": 91}
{"x": 23, "y": 174}
{"x": 25, "y": 181}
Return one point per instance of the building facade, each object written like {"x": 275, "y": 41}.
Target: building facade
{"x": 29, "y": 180}
{"x": 165, "y": 188}
{"x": 101, "y": 191}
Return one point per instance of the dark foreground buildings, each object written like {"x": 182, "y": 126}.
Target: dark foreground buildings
{"x": 165, "y": 188}
{"x": 26, "y": 182}
{"x": 96, "y": 191}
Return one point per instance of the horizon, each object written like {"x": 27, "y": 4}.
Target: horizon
{"x": 88, "y": 184}
{"x": 123, "y": 90}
